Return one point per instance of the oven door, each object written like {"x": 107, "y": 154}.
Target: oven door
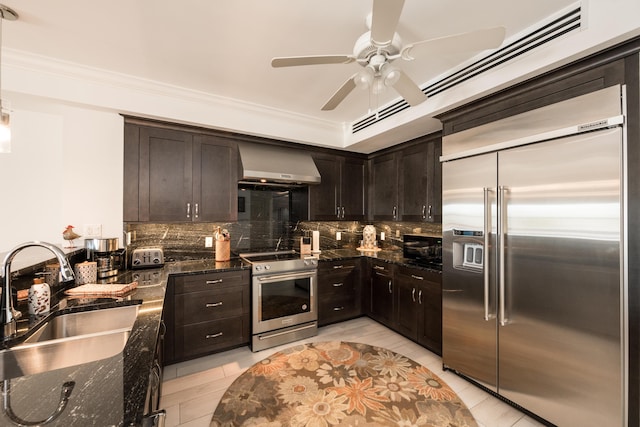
{"x": 283, "y": 300}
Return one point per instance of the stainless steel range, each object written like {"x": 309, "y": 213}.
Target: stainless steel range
{"x": 284, "y": 297}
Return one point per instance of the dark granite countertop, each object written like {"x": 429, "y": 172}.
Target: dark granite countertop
{"x": 113, "y": 391}
{"x": 109, "y": 391}
{"x": 390, "y": 256}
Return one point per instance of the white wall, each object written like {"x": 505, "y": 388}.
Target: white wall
{"x": 65, "y": 168}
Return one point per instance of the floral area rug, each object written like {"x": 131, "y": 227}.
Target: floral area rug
{"x": 340, "y": 384}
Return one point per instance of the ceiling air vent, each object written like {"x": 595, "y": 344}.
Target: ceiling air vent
{"x": 563, "y": 24}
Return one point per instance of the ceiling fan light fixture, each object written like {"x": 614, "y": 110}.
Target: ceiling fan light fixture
{"x": 364, "y": 78}
{"x": 389, "y": 75}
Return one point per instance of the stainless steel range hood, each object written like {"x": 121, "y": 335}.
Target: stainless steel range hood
{"x": 266, "y": 163}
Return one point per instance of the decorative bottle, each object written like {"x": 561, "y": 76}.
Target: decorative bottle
{"x": 39, "y": 297}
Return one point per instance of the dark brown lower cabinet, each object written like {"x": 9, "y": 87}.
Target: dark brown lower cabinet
{"x": 419, "y": 306}
{"x": 407, "y": 300}
{"x": 209, "y": 312}
{"x": 382, "y": 295}
{"x": 339, "y": 291}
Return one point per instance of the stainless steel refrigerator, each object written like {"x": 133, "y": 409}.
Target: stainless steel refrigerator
{"x": 533, "y": 259}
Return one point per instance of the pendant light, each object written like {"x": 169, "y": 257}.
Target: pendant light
{"x": 5, "y": 129}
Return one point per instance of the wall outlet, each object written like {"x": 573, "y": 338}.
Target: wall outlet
{"x": 208, "y": 242}
{"x": 397, "y": 233}
{"x": 338, "y": 235}
{"x": 92, "y": 230}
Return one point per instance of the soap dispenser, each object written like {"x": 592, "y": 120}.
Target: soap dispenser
{"x": 39, "y": 297}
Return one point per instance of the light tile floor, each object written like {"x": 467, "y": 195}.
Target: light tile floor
{"x": 191, "y": 390}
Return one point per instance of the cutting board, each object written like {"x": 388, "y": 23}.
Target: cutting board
{"x": 95, "y": 289}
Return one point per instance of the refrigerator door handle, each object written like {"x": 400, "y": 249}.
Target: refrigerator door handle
{"x": 487, "y": 235}
{"x": 502, "y": 222}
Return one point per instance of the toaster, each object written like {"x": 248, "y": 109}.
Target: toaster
{"x": 147, "y": 258}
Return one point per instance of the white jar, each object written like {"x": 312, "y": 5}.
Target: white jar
{"x": 39, "y": 297}
{"x": 369, "y": 237}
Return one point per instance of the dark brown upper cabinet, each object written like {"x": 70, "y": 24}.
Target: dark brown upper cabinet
{"x": 420, "y": 183}
{"x": 406, "y": 182}
{"x": 340, "y": 194}
{"x": 384, "y": 188}
{"x": 175, "y": 175}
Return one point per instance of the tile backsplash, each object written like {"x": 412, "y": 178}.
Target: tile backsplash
{"x": 182, "y": 241}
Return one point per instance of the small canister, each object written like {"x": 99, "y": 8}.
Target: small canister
{"x": 86, "y": 272}
{"x": 223, "y": 245}
{"x": 39, "y": 297}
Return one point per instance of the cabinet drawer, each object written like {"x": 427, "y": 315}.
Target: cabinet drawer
{"x": 208, "y": 281}
{"x": 337, "y": 266}
{"x": 336, "y": 309}
{"x": 335, "y": 284}
{"x": 383, "y": 268}
{"x": 417, "y": 276}
{"x": 196, "y": 307}
{"x": 207, "y": 337}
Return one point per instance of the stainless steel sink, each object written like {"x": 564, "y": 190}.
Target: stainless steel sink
{"x": 70, "y": 339}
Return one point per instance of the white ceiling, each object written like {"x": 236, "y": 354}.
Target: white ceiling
{"x": 224, "y": 47}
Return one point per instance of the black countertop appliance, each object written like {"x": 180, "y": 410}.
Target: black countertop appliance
{"x": 423, "y": 250}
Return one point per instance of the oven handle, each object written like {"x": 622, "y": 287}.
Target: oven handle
{"x": 277, "y": 334}
{"x": 285, "y": 276}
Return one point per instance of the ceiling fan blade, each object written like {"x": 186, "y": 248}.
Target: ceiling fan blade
{"x": 384, "y": 20}
{"x": 409, "y": 90}
{"x": 473, "y": 41}
{"x": 292, "y": 61}
{"x": 340, "y": 94}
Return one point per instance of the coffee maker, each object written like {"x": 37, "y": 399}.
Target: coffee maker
{"x": 106, "y": 254}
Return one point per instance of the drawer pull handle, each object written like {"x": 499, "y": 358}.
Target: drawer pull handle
{"x": 219, "y": 334}
{"x": 214, "y": 304}
{"x": 336, "y": 267}
{"x": 213, "y": 282}
{"x": 337, "y": 285}
{"x": 378, "y": 267}
{"x": 338, "y": 308}
{"x": 417, "y": 277}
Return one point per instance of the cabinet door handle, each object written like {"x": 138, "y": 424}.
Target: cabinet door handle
{"x": 378, "y": 267}
{"x": 338, "y": 308}
{"x": 337, "y": 285}
{"x": 420, "y": 297}
{"x": 213, "y": 304}
{"x": 390, "y": 289}
{"x": 336, "y": 267}
{"x": 417, "y": 277}
{"x": 430, "y": 213}
{"x": 413, "y": 294}
{"x": 342, "y": 213}
{"x": 196, "y": 211}
{"x": 424, "y": 212}
{"x": 338, "y": 212}
{"x": 188, "y": 210}
{"x": 395, "y": 212}
{"x": 213, "y": 282}
{"x": 219, "y": 334}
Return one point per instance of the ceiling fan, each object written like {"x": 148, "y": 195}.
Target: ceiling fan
{"x": 376, "y": 49}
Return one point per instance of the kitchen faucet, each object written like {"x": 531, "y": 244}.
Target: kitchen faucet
{"x": 7, "y": 312}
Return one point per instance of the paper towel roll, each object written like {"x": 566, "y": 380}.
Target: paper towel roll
{"x": 315, "y": 246}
